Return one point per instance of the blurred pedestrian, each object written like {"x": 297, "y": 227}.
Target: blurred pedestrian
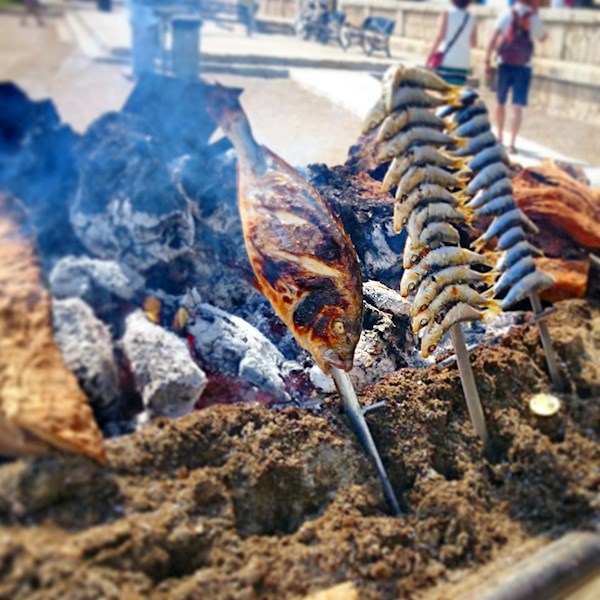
{"x": 450, "y": 54}
{"x": 33, "y": 8}
{"x": 512, "y": 42}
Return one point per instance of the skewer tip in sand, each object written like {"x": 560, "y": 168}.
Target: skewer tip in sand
{"x": 468, "y": 383}
{"x": 355, "y": 414}
{"x": 551, "y": 361}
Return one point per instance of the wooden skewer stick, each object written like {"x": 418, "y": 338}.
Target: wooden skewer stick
{"x": 557, "y": 381}
{"x": 355, "y": 414}
{"x": 468, "y": 383}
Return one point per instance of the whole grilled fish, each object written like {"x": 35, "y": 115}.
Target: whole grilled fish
{"x": 497, "y": 206}
{"x": 402, "y": 141}
{"x": 533, "y": 282}
{"x": 516, "y": 253}
{"x": 513, "y": 275}
{"x": 303, "y": 260}
{"x": 502, "y": 187}
{"x": 466, "y": 114}
{"x": 501, "y": 224}
{"x": 488, "y": 156}
{"x": 409, "y": 117}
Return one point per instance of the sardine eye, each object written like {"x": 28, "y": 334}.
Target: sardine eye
{"x": 338, "y": 327}
{"x": 424, "y": 322}
{"x": 414, "y": 258}
{"x": 431, "y": 348}
{"x": 411, "y": 287}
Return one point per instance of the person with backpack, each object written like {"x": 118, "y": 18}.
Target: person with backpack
{"x": 512, "y": 40}
{"x": 457, "y": 34}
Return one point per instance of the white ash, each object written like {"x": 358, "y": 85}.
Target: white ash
{"x": 166, "y": 377}
{"x": 228, "y": 345}
{"x": 380, "y": 260}
{"x": 94, "y": 280}
{"x": 323, "y": 383}
{"x": 87, "y": 348}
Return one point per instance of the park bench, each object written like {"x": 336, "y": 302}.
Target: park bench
{"x": 374, "y": 34}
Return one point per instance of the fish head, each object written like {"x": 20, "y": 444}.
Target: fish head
{"x": 335, "y": 338}
{"x": 408, "y": 283}
{"x": 223, "y": 105}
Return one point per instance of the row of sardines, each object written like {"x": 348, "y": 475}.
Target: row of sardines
{"x": 445, "y": 169}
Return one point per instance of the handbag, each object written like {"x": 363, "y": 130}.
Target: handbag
{"x": 436, "y": 59}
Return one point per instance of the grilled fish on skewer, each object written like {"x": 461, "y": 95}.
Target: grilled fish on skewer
{"x": 516, "y": 253}
{"x": 511, "y": 237}
{"x": 487, "y": 177}
{"x": 465, "y": 98}
{"x": 458, "y": 313}
{"x": 449, "y": 296}
{"x": 486, "y": 157}
{"x": 402, "y": 141}
{"x": 477, "y": 144}
{"x": 419, "y": 156}
{"x": 410, "y": 117}
{"x": 429, "y": 193}
{"x": 534, "y": 282}
{"x": 435, "y": 175}
{"x": 474, "y": 126}
{"x": 439, "y": 258}
{"x": 435, "y": 282}
{"x": 433, "y": 236}
{"x": 511, "y": 276}
{"x": 496, "y": 207}
{"x": 303, "y": 260}
{"x": 398, "y": 75}
{"x": 413, "y": 96}
{"x": 434, "y": 212}
{"x": 374, "y": 117}
{"x": 502, "y": 187}
{"x": 501, "y": 224}
{"x": 466, "y": 114}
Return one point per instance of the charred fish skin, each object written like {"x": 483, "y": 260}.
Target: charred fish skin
{"x": 516, "y": 253}
{"x": 302, "y": 258}
{"x": 516, "y": 272}
{"x": 534, "y": 282}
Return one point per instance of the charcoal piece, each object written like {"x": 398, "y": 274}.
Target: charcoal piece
{"x": 127, "y": 208}
{"x": 229, "y": 346}
{"x": 87, "y": 348}
{"x": 175, "y": 109}
{"x": 37, "y": 164}
{"x": 366, "y": 213}
{"x": 98, "y": 282}
{"x": 165, "y": 375}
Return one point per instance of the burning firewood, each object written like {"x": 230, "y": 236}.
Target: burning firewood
{"x": 303, "y": 260}
{"x": 41, "y": 405}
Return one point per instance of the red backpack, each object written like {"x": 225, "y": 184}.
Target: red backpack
{"x": 516, "y": 47}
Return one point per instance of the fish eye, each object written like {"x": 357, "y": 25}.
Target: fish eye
{"x": 414, "y": 258}
{"x": 411, "y": 287}
{"x": 338, "y": 327}
{"x": 424, "y": 322}
{"x": 404, "y": 221}
{"x": 431, "y": 348}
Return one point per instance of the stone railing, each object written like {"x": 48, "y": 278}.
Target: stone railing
{"x": 566, "y": 66}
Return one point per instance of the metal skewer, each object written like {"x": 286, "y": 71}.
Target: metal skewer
{"x": 557, "y": 381}
{"x": 355, "y": 414}
{"x": 468, "y": 383}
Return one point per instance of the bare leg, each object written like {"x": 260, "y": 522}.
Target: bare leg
{"x": 500, "y": 121}
{"x": 517, "y": 118}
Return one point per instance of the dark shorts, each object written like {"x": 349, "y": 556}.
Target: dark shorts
{"x": 517, "y": 78}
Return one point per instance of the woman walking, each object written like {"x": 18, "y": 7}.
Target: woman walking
{"x": 450, "y": 53}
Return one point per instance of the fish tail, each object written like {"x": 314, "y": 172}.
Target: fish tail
{"x": 489, "y": 259}
{"x": 451, "y": 126}
{"x": 461, "y": 143}
{"x": 462, "y": 163}
{"x": 489, "y": 293}
{"x": 493, "y": 309}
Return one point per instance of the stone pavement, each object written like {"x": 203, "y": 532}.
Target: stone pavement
{"x": 305, "y": 100}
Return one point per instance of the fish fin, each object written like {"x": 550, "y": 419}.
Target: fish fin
{"x": 451, "y": 126}
{"x": 489, "y": 293}
{"x": 462, "y": 163}
{"x": 489, "y": 259}
{"x": 494, "y": 308}
{"x": 461, "y": 143}
{"x": 479, "y": 243}
{"x": 490, "y": 277}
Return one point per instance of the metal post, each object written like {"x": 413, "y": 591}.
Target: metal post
{"x": 468, "y": 383}
{"x": 355, "y": 414}
{"x": 557, "y": 381}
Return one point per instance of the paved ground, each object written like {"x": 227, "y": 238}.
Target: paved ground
{"x": 305, "y": 101}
